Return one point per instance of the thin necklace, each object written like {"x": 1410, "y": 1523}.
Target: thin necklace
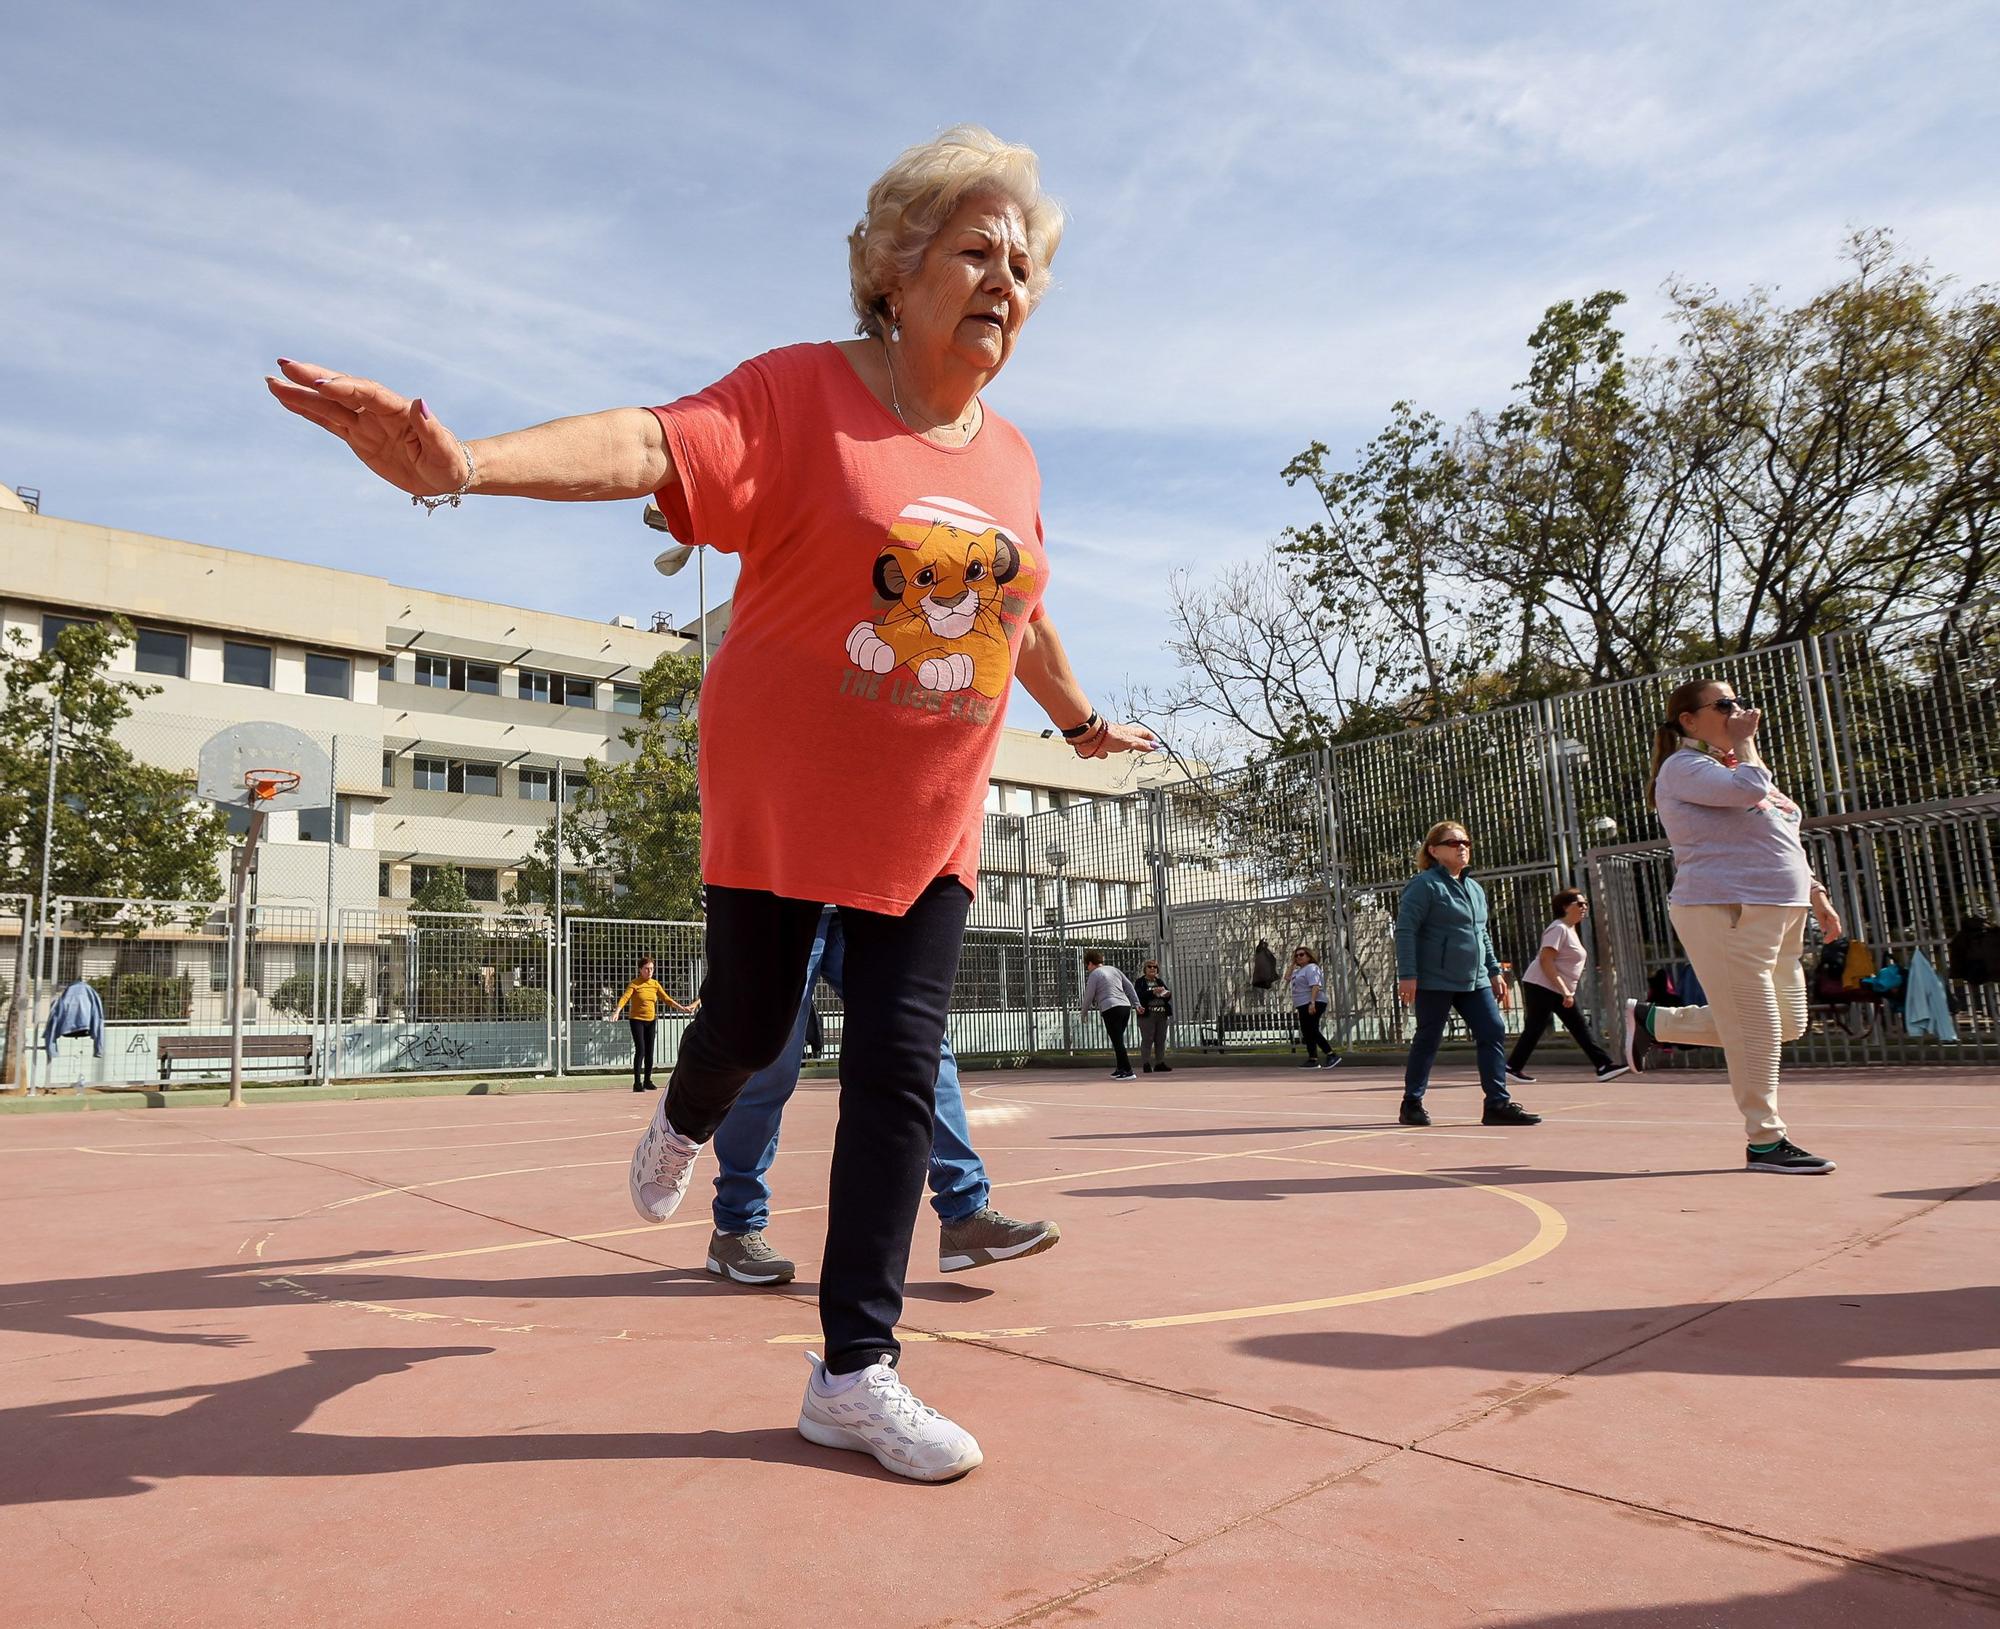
{"x": 963, "y": 427}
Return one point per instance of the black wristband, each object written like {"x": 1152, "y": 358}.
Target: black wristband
{"x": 1077, "y": 731}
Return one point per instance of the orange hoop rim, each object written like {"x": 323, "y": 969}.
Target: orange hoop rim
{"x": 265, "y": 784}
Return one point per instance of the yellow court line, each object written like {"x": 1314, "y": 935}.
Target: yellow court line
{"x": 543, "y": 1242}
{"x": 1550, "y": 1231}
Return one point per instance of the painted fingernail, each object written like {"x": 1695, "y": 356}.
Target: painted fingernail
{"x": 423, "y": 412}
{"x": 286, "y": 362}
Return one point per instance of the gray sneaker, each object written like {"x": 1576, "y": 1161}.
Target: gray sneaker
{"x": 986, "y": 1236}
{"x": 748, "y": 1258}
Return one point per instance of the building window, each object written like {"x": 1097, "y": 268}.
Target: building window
{"x": 246, "y": 664}
{"x": 480, "y": 779}
{"x": 158, "y": 651}
{"x": 482, "y": 883}
{"x": 218, "y": 969}
{"x": 625, "y": 698}
{"x": 420, "y": 878}
{"x": 538, "y": 785}
{"x": 329, "y": 675}
{"x": 579, "y": 693}
{"x": 313, "y": 823}
{"x": 382, "y": 879}
{"x": 388, "y": 769}
{"x": 385, "y": 670}
{"x": 456, "y": 673}
{"x": 533, "y": 686}
{"x": 53, "y": 625}
{"x": 572, "y": 785}
{"x": 429, "y": 774}
{"x": 236, "y": 820}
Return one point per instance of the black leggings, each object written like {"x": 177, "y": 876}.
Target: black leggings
{"x": 643, "y": 1031}
{"x": 1115, "y": 1020}
{"x": 897, "y": 991}
{"x": 1542, "y": 1004}
{"x": 1315, "y": 1038}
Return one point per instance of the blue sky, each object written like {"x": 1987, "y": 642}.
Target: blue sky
{"x": 1284, "y": 218}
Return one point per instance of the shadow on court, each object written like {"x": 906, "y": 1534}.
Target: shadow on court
{"x": 85, "y": 1449}
{"x": 1812, "y": 1337}
{"x": 1268, "y": 1190}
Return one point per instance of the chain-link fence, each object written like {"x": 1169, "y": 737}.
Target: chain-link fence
{"x": 442, "y": 992}
{"x": 1891, "y": 743}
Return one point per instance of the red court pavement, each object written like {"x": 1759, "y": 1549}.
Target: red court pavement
{"x": 417, "y": 1362}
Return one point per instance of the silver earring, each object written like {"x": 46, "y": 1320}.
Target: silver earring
{"x": 895, "y": 333}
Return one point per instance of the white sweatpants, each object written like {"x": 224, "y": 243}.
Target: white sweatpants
{"x": 1747, "y": 958}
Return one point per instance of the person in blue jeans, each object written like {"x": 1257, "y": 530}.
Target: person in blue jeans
{"x": 973, "y": 1233}
{"x": 1445, "y": 963}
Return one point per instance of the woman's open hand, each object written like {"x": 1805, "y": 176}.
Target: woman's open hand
{"x": 397, "y": 439}
{"x": 1117, "y": 738}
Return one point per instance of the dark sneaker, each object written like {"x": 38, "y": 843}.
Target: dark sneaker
{"x": 1310, "y": 1063}
{"x": 986, "y": 1236}
{"x": 1639, "y": 1040}
{"x": 1333, "y": 1060}
{"x": 1124, "y": 1074}
{"x": 1521, "y": 1075}
{"x": 748, "y": 1258}
{"x": 1413, "y": 1113}
{"x": 1145, "y": 1069}
{"x": 1158, "y": 1068}
{"x": 1509, "y": 1113}
{"x": 1787, "y": 1159}
{"x": 1611, "y": 1071}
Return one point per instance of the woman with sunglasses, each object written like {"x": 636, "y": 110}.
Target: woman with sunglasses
{"x": 1444, "y": 964}
{"x": 1308, "y": 985}
{"x": 1548, "y": 990}
{"x": 1741, "y": 891}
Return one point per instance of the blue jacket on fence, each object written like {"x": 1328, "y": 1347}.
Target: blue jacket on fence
{"x": 77, "y": 1011}
{"x": 1926, "y": 1006}
{"x": 1442, "y": 937}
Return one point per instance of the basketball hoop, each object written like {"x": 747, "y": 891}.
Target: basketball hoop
{"x": 265, "y": 784}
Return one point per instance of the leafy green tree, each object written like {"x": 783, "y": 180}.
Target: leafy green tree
{"x": 123, "y": 828}
{"x": 632, "y": 837}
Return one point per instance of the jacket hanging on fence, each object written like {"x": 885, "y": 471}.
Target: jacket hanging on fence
{"x": 79, "y": 1010}
{"x": 1975, "y": 951}
{"x": 1926, "y": 1006}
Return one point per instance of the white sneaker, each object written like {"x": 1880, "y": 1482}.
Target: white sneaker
{"x": 877, "y": 1415}
{"x": 662, "y": 1166}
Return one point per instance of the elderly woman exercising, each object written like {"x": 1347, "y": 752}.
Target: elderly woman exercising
{"x": 893, "y": 568}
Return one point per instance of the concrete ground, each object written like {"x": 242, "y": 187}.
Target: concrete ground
{"x": 416, "y": 1361}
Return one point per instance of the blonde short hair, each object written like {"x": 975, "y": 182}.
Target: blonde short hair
{"x": 912, "y": 199}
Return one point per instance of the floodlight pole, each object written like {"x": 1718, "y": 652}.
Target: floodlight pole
{"x": 42, "y": 912}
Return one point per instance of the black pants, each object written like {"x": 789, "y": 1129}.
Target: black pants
{"x": 1541, "y": 1004}
{"x": 1309, "y": 1030}
{"x": 1115, "y": 1020}
{"x": 643, "y": 1031}
{"x": 898, "y": 981}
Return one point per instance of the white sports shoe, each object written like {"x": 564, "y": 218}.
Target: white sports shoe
{"x": 878, "y": 1415}
{"x": 662, "y": 1166}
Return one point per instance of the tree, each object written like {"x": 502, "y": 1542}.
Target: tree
{"x": 123, "y": 829}
{"x": 632, "y": 838}
{"x": 1384, "y": 560}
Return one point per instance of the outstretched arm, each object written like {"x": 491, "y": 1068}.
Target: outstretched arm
{"x": 621, "y": 453}
{"x": 1045, "y": 673}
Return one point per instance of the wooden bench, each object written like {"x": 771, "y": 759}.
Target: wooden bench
{"x": 174, "y": 1049}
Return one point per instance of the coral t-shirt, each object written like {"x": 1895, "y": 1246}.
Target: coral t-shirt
{"x": 853, "y": 711}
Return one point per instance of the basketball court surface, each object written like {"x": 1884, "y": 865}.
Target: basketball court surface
{"x": 416, "y": 1362}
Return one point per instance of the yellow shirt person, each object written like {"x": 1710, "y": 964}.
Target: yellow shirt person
{"x": 646, "y": 995}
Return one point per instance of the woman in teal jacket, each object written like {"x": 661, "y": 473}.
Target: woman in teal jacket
{"x": 1444, "y": 964}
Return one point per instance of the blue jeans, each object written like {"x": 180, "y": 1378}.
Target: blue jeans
{"x": 1481, "y": 1013}
{"x": 746, "y": 1143}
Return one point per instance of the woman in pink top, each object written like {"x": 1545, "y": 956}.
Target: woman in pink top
{"x": 893, "y": 568}
{"x": 1548, "y": 990}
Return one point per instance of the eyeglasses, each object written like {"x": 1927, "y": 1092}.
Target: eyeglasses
{"x": 1726, "y": 705}
{"x": 1453, "y": 842}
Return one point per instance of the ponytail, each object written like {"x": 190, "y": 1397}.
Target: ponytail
{"x": 1667, "y": 736}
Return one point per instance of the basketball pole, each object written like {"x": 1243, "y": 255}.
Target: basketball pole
{"x": 239, "y": 934}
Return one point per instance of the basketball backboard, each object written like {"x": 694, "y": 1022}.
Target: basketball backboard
{"x": 230, "y": 757}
